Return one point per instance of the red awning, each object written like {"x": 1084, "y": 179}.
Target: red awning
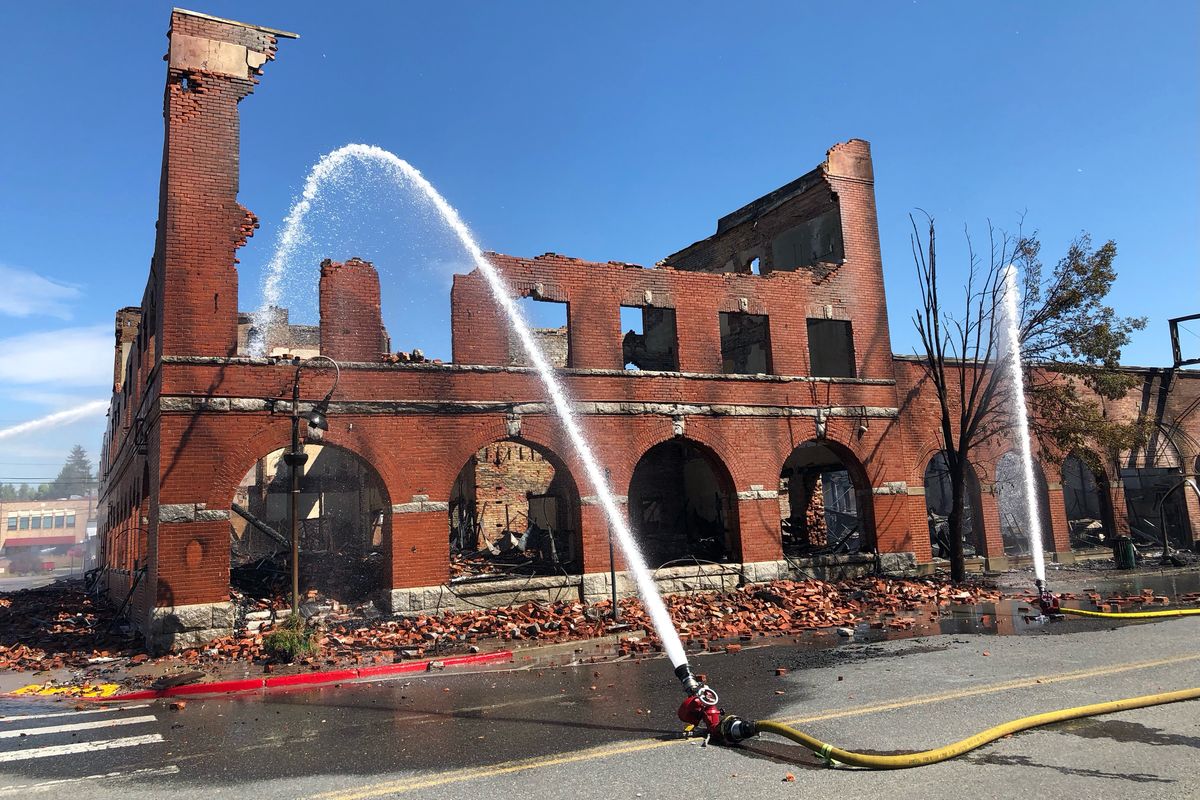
{"x": 37, "y": 541}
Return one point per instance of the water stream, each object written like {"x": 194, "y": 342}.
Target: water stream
{"x": 409, "y": 178}
{"x": 93, "y": 408}
{"x": 1009, "y": 322}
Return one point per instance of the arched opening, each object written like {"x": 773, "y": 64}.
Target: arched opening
{"x": 938, "y": 502}
{"x": 823, "y": 501}
{"x": 1087, "y": 503}
{"x": 1156, "y": 507}
{"x": 1010, "y": 500}
{"x": 344, "y": 523}
{"x": 514, "y": 508}
{"x": 682, "y": 504}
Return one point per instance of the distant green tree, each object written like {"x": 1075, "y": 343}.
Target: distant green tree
{"x": 25, "y": 492}
{"x": 75, "y": 477}
{"x": 8, "y": 492}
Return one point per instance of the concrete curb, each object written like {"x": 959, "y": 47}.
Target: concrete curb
{"x": 307, "y": 678}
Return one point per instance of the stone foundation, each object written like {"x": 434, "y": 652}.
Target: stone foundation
{"x": 594, "y": 587}
{"x": 188, "y": 626}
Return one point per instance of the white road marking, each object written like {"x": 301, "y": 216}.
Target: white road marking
{"x": 45, "y": 786}
{"x": 76, "y": 726}
{"x": 79, "y": 747}
{"x": 106, "y": 709}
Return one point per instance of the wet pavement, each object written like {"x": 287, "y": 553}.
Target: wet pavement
{"x": 609, "y": 730}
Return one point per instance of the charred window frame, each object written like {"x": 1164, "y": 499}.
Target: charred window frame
{"x": 745, "y": 343}
{"x": 649, "y": 339}
{"x": 831, "y": 348}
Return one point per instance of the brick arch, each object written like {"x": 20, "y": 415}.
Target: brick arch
{"x": 716, "y": 446}
{"x": 547, "y": 451}
{"x": 564, "y": 475}
{"x": 534, "y": 432}
{"x": 246, "y": 454}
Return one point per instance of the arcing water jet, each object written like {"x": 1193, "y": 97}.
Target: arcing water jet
{"x": 408, "y": 177}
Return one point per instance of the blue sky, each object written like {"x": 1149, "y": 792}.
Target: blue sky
{"x": 606, "y": 131}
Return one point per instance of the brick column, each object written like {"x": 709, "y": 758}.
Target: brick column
{"x": 212, "y": 65}
{"x": 351, "y": 319}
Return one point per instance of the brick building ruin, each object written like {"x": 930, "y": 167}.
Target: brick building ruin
{"x": 757, "y": 423}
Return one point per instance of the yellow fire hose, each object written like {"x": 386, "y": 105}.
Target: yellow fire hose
{"x": 1174, "y": 612}
{"x": 834, "y": 756}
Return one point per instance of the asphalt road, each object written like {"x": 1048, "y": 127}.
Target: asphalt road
{"x": 609, "y": 731}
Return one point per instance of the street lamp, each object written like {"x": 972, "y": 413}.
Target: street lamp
{"x": 612, "y": 559}
{"x": 296, "y": 458}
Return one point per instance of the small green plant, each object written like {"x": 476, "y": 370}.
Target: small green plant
{"x": 290, "y": 639}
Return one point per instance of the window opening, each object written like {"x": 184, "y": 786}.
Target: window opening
{"x": 650, "y": 341}
{"x": 831, "y": 348}
{"x": 817, "y": 240}
{"x": 745, "y": 343}
{"x": 548, "y": 321}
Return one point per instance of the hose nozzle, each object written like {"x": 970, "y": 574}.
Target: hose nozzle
{"x": 1046, "y": 599}
{"x": 690, "y": 684}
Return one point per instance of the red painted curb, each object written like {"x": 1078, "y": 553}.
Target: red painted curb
{"x": 308, "y": 678}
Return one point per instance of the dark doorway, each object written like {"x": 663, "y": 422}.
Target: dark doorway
{"x": 938, "y": 502}
{"x": 1088, "y": 507}
{"x": 682, "y": 504}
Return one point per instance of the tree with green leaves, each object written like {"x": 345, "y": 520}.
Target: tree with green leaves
{"x": 75, "y": 477}
{"x": 1070, "y": 340}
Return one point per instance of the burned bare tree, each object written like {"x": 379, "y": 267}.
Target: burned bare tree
{"x": 1069, "y": 338}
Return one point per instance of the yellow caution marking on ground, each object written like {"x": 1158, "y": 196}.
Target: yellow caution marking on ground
{"x": 68, "y": 690}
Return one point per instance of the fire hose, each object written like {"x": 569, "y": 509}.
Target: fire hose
{"x": 733, "y": 730}
{"x": 1175, "y": 612}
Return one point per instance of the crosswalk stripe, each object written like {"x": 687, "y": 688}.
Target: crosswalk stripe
{"x": 79, "y": 747}
{"x": 45, "y": 786}
{"x": 76, "y": 726}
{"x": 105, "y": 710}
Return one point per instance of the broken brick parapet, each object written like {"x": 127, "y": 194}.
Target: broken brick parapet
{"x": 351, "y": 316}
